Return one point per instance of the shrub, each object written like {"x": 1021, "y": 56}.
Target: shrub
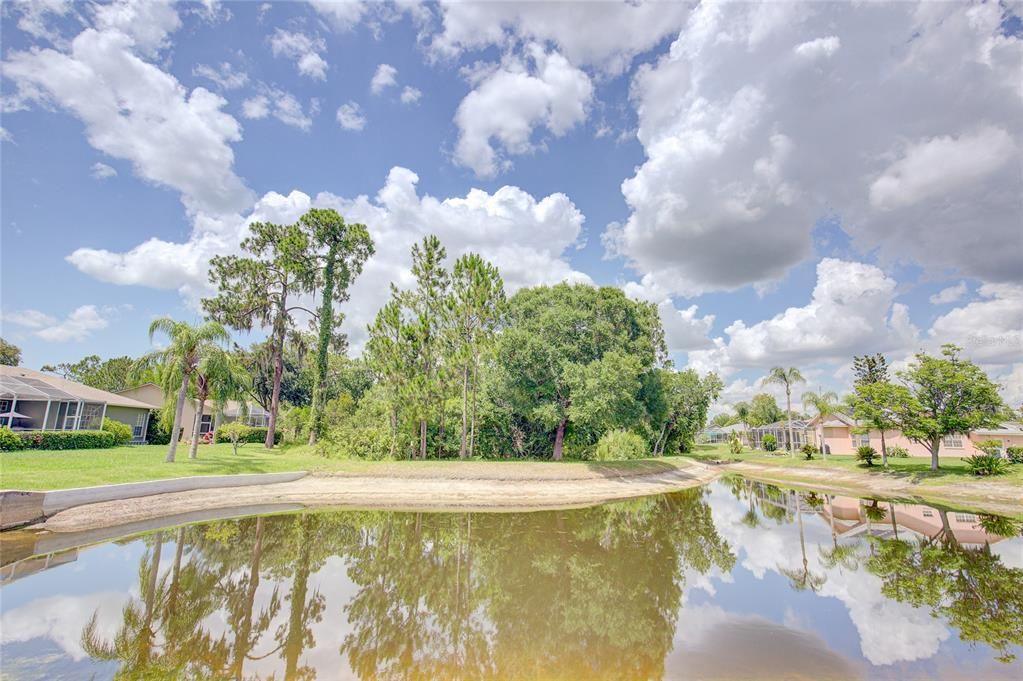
{"x": 235, "y": 433}
{"x": 769, "y": 443}
{"x": 121, "y": 431}
{"x": 1015, "y": 454}
{"x": 255, "y": 435}
{"x": 986, "y": 464}
{"x": 990, "y": 447}
{"x": 620, "y": 445}
{"x": 898, "y": 452}
{"x": 68, "y": 439}
{"x": 157, "y": 432}
{"x": 866, "y": 454}
{"x": 9, "y": 440}
{"x": 734, "y": 444}
{"x": 809, "y": 449}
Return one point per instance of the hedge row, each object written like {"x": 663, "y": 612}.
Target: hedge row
{"x": 56, "y": 439}
{"x": 255, "y": 435}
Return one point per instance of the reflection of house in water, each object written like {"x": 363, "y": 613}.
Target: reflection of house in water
{"x": 904, "y": 521}
{"x": 23, "y": 568}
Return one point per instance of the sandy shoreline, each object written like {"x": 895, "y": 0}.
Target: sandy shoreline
{"x": 495, "y": 487}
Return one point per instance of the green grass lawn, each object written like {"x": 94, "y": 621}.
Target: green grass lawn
{"x": 34, "y": 469}
{"x": 952, "y": 469}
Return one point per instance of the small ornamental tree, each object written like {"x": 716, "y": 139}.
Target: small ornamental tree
{"x": 944, "y": 396}
{"x": 236, "y": 433}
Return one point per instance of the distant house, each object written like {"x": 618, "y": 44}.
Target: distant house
{"x": 250, "y": 414}
{"x": 719, "y": 434}
{"x": 33, "y": 400}
{"x": 836, "y": 432}
{"x": 780, "y": 431}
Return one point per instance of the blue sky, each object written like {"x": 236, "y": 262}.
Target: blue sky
{"x": 808, "y": 176}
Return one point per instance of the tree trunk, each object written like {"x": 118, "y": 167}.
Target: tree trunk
{"x": 472, "y": 422}
{"x": 422, "y": 439}
{"x": 326, "y": 326}
{"x": 657, "y": 445}
{"x": 394, "y": 430}
{"x": 295, "y": 642}
{"x": 465, "y": 410}
{"x": 193, "y": 451}
{"x": 884, "y": 450}
{"x": 280, "y": 326}
{"x": 935, "y": 444}
{"x": 788, "y": 414}
{"x": 179, "y": 408}
{"x": 559, "y": 440}
{"x": 242, "y": 644}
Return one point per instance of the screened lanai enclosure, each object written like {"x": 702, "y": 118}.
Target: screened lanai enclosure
{"x": 30, "y": 404}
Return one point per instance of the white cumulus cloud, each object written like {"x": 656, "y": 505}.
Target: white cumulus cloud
{"x": 384, "y": 77}
{"x": 306, "y": 51}
{"x": 350, "y": 116}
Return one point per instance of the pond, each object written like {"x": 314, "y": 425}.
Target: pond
{"x": 734, "y": 580}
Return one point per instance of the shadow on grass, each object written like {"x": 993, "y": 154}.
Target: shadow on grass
{"x": 617, "y": 469}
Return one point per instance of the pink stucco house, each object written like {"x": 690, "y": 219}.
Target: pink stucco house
{"x": 836, "y": 433}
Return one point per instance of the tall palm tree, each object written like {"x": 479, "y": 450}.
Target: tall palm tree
{"x": 788, "y": 378}
{"x": 217, "y": 375}
{"x": 825, "y": 404}
{"x": 742, "y": 411}
{"x": 189, "y": 346}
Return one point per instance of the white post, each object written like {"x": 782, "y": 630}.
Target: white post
{"x": 10, "y": 419}
{"x": 103, "y": 417}
{"x": 46, "y": 416}
{"x": 145, "y": 427}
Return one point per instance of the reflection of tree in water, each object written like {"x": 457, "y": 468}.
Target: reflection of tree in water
{"x": 591, "y": 593}
{"x": 970, "y": 586}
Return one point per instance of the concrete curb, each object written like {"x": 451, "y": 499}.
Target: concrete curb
{"x": 19, "y": 508}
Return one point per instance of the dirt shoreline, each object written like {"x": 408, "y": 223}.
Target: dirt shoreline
{"x": 500, "y": 487}
{"x": 473, "y": 486}
{"x": 978, "y": 495}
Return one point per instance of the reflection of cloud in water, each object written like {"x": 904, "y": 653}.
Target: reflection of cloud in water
{"x": 889, "y": 631}
{"x": 1010, "y": 551}
{"x": 713, "y": 644}
{"x": 62, "y": 619}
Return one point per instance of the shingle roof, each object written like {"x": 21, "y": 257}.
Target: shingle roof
{"x": 29, "y": 384}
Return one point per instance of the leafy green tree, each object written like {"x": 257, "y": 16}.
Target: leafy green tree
{"x": 723, "y": 419}
{"x": 348, "y": 246}
{"x": 188, "y": 348}
{"x": 477, "y": 306}
{"x": 112, "y": 375}
{"x": 259, "y": 290}
{"x": 258, "y": 361}
{"x": 944, "y": 396}
{"x": 876, "y": 406}
{"x": 553, "y": 335}
{"x": 426, "y": 306}
{"x": 787, "y": 377}
{"x": 763, "y": 410}
{"x": 688, "y": 398}
{"x": 389, "y": 355}
{"x": 10, "y": 354}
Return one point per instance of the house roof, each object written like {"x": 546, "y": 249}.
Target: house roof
{"x": 31, "y": 385}
{"x": 836, "y": 420}
{"x": 733, "y": 428}
{"x": 231, "y": 407}
{"x": 1008, "y": 428}
{"x": 797, "y": 424}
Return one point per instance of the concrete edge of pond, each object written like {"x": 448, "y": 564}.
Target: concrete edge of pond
{"x": 369, "y": 492}
{"x": 19, "y": 508}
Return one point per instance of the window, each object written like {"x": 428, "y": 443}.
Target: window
{"x": 138, "y": 432}
{"x": 861, "y": 440}
{"x": 928, "y": 513}
{"x": 5, "y": 406}
{"x": 206, "y": 425}
{"x": 954, "y": 441}
{"x": 71, "y": 416}
{"x": 92, "y": 416}
{"x": 965, "y": 518}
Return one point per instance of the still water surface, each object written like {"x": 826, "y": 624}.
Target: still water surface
{"x": 737, "y": 580}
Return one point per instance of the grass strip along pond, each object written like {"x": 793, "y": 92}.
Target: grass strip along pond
{"x": 735, "y": 579}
